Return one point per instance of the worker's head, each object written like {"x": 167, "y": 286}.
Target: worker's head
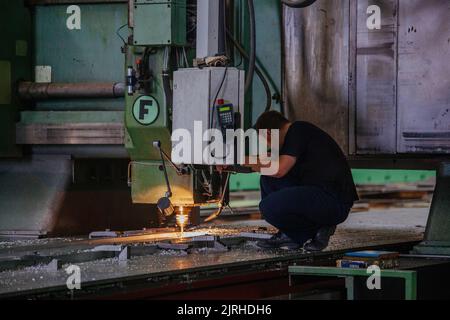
{"x": 273, "y": 120}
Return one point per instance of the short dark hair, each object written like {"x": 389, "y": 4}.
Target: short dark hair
{"x": 271, "y": 120}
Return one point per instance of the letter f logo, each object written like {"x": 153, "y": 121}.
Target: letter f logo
{"x": 143, "y": 109}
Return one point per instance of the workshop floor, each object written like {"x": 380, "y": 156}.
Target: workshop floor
{"x": 363, "y": 229}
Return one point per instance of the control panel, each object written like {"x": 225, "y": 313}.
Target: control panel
{"x": 225, "y": 114}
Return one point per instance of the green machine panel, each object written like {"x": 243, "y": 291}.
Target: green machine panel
{"x": 15, "y": 65}
{"x": 147, "y": 118}
{"x": 160, "y": 22}
{"x": 89, "y": 54}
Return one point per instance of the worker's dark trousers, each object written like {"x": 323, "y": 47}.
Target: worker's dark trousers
{"x": 299, "y": 211}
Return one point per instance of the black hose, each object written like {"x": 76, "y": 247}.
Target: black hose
{"x": 252, "y": 55}
{"x": 298, "y": 3}
{"x": 257, "y": 70}
{"x": 167, "y": 89}
{"x": 168, "y": 93}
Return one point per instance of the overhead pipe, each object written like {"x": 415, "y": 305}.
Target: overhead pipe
{"x": 298, "y": 3}
{"x": 44, "y": 91}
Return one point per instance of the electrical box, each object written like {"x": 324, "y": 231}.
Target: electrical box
{"x": 158, "y": 23}
{"x": 196, "y": 95}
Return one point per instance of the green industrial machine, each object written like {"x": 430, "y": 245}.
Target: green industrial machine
{"x": 158, "y": 47}
{"x": 163, "y": 42}
{"x": 91, "y": 91}
{"x": 64, "y": 167}
{"x": 15, "y": 64}
{"x": 77, "y": 143}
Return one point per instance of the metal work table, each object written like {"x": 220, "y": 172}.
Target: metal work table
{"x": 409, "y": 271}
{"x": 159, "y": 269}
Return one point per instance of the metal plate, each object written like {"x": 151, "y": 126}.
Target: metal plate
{"x": 423, "y": 78}
{"x": 316, "y": 66}
{"x": 160, "y": 23}
{"x": 376, "y": 80}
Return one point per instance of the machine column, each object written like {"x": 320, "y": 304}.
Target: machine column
{"x": 437, "y": 237}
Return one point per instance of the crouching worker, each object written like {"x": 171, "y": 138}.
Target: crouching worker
{"x": 313, "y": 190}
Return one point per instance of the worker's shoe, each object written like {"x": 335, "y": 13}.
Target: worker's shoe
{"x": 280, "y": 240}
{"x": 321, "y": 240}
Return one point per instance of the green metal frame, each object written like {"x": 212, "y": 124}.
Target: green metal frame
{"x": 437, "y": 236}
{"x": 246, "y": 182}
{"x": 156, "y": 24}
{"x": 139, "y": 138}
{"x": 377, "y": 177}
{"x": 410, "y": 277}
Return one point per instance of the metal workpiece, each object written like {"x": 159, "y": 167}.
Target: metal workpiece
{"x": 165, "y": 258}
{"x": 43, "y": 91}
{"x": 61, "y": 195}
{"x": 30, "y": 192}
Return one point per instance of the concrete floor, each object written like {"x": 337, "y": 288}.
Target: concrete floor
{"x": 414, "y": 219}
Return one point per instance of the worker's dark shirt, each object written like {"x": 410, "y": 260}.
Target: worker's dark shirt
{"x": 320, "y": 161}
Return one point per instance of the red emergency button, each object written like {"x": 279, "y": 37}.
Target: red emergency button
{"x": 220, "y": 102}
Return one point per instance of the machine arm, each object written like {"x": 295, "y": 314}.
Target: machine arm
{"x": 157, "y": 145}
